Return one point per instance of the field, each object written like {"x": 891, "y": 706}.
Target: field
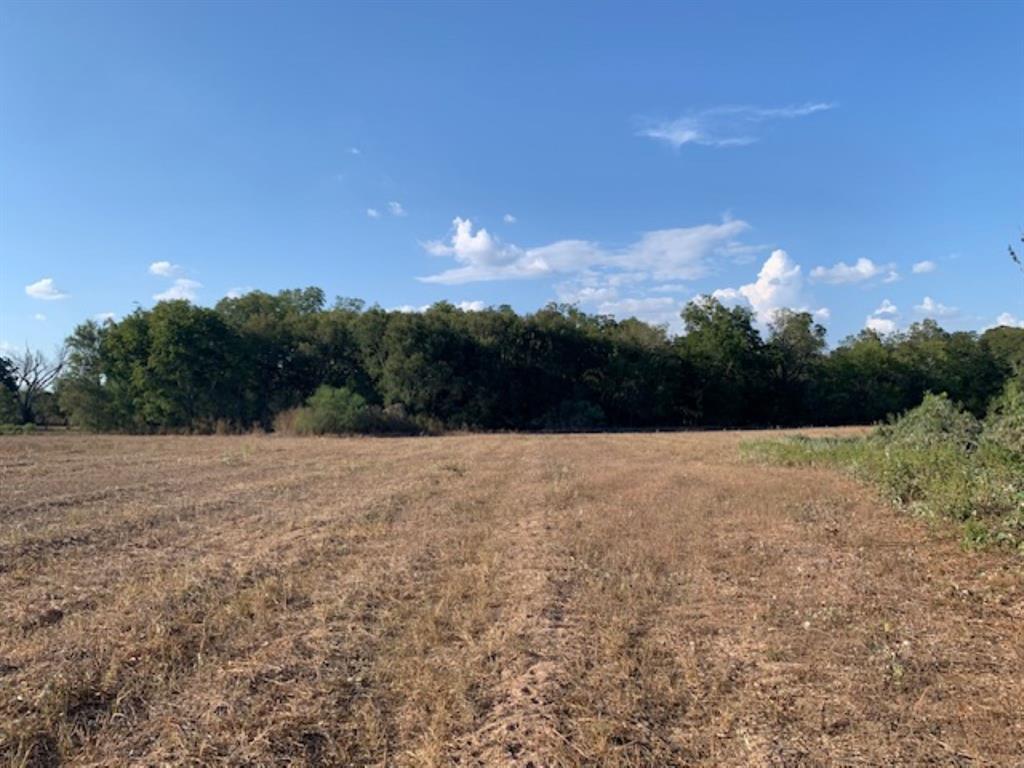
{"x": 487, "y": 600}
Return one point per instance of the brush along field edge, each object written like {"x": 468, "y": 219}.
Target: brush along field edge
{"x": 551, "y": 600}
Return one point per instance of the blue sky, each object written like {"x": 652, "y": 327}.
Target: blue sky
{"x": 861, "y": 161}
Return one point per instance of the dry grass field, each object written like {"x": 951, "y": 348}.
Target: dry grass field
{"x": 487, "y": 600}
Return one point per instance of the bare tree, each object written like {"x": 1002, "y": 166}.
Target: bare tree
{"x": 35, "y": 373}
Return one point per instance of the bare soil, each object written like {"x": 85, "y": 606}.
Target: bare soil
{"x": 622, "y": 600}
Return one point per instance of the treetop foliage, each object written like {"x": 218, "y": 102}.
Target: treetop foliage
{"x": 242, "y": 363}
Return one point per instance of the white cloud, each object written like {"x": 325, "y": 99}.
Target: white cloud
{"x": 395, "y": 208}
{"x": 882, "y": 325}
{"x": 39, "y": 316}
{"x": 102, "y": 317}
{"x": 885, "y": 319}
{"x": 1007, "y": 319}
{"x": 923, "y": 267}
{"x": 373, "y": 213}
{"x": 656, "y": 310}
{"x": 822, "y": 314}
{"x": 164, "y": 269}
{"x": 864, "y": 269}
{"x": 723, "y": 126}
{"x": 729, "y": 296}
{"x": 238, "y": 291}
{"x": 887, "y": 308}
{"x": 465, "y": 306}
{"x": 779, "y": 284}
{"x": 45, "y": 290}
{"x": 932, "y": 308}
{"x": 508, "y": 218}
{"x": 181, "y": 288}
{"x": 666, "y": 254}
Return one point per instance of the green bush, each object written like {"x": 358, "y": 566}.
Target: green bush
{"x": 17, "y": 429}
{"x": 937, "y": 421}
{"x": 339, "y": 411}
{"x": 935, "y": 460}
{"x": 331, "y": 410}
{"x": 1004, "y": 423}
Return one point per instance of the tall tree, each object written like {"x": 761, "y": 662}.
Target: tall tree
{"x": 34, "y": 374}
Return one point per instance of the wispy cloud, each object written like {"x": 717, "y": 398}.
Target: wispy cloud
{"x": 373, "y": 213}
{"x": 508, "y": 218}
{"x": 354, "y": 151}
{"x": 40, "y": 317}
{"x": 45, "y": 290}
{"x": 931, "y": 308}
{"x": 923, "y": 267}
{"x": 864, "y": 269}
{"x": 181, "y": 288}
{"x": 164, "y": 269}
{"x": 726, "y": 126}
{"x": 665, "y": 254}
{"x": 103, "y": 317}
{"x": 395, "y": 208}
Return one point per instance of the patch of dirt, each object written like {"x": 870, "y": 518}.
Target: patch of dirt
{"x": 509, "y": 600}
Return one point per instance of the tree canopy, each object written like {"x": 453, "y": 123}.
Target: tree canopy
{"x": 238, "y": 365}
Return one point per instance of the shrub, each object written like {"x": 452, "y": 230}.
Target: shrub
{"x": 338, "y": 411}
{"x": 935, "y": 460}
{"x": 937, "y": 421}
{"x": 332, "y": 410}
{"x": 1004, "y": 423}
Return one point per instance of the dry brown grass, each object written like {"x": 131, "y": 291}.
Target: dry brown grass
{"x": 487, "y": 600}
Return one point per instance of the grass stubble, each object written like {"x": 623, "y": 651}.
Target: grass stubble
{"x": 617, "y": 600}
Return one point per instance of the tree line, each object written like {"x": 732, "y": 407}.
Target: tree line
{"x": 249, "y": 360}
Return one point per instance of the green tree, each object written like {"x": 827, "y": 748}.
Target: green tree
{"x": 727, "y": 356}
{"x": 795, "y": 351}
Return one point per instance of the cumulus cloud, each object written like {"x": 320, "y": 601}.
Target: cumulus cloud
{"x": 164, "y": 269}
{"x": 1007, "y": 319}
{"x": 885, "y": 319}
{"x": 181, "y": 288}
{"x": 395, "y": 208}
{"x": 508, "y": 218}
{"x": 666, "y": 254}
{"x": 779, "y": 285}
{"x": 923, "y": 267}
{"x": 373, "y": 213}
{"x": 931, "y": 308}
{"x": 730, "y": 126}
{"x": 238, "y": 291}
{"x": 45, "y": 290}
{"x": 864, "y": 269}
{"x": 103, "y": 317}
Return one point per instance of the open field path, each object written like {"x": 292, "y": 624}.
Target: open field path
{"x": 509, "y": 600}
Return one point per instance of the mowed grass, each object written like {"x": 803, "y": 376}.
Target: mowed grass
{"x": 487, "y": 600}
